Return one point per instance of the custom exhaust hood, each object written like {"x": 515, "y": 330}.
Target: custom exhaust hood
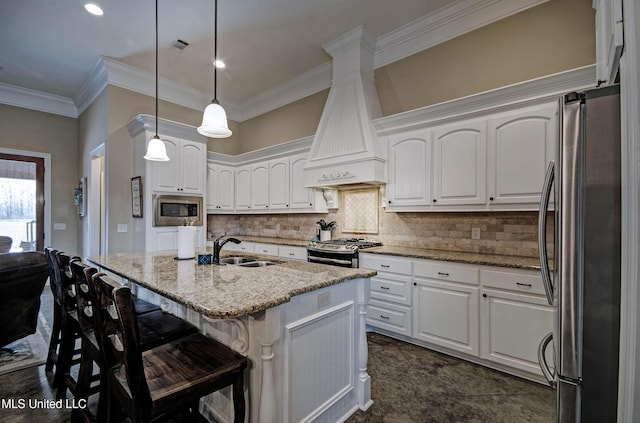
{"x": 345, "y": 149}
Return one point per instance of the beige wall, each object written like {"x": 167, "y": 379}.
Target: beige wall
{"x": 556, "y": 36}
{"x": 30, "y": 130}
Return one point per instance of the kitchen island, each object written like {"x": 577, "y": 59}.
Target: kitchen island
{"x": 302, "y": 326}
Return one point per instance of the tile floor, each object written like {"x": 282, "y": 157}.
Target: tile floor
{"x": 410, "y": 384}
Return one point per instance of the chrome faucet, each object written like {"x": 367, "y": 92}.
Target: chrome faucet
{"x": 217, "y": 246}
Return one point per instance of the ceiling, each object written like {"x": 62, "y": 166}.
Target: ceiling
{"x": 52, "y": 46}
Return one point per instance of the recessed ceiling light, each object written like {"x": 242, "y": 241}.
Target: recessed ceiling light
{"x": 219, "y": 64}
{"x": 94, "y": 9}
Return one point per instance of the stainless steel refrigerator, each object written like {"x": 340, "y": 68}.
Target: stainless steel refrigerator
{"x": 584, "y": 281}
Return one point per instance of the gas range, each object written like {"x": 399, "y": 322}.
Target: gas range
{"x": 339, "y": 252}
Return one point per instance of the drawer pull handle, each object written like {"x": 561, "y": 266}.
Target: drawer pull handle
{"x": 292, "y": 254}
{"x": 384, "y": 317}
{"x": 523, "y": 284}
{"x": 386, "y": 266}
{"x": 443, "y": 274}
{"x": 385, "y": 287}
{"x": 265, "y": 251}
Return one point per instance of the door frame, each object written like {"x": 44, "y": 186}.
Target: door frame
{"x": 47, "y": 187}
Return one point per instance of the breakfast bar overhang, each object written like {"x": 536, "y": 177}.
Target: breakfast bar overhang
{"x": 301, "y": 325}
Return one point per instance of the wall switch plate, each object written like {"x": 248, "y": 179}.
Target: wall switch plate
{"x": 59, "y": 226}
{"x": 122, "y": 227}
{"x": 324, "y": 299}
{"x": 475, "y": 233}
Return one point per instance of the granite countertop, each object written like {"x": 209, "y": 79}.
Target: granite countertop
{"x": 229, "y": 291}
{"x": 530, "y": 263}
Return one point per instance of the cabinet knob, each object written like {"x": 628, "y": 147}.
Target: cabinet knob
{"x": 490, "y": 198}
{"x": 415, "y": 284}
{"x": 484, "y": 295}
{"x": 311, "y": 204}
{"x": 434, "y": 200}
{"x": 389, "y": 201}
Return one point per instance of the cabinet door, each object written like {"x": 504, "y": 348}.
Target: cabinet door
{"x": 609, "y": 39}
{"x": 446, "y": 314}
{"x": 243, "y": 188}
{"x": 165, "y": 238}
{"x": 460, "y": 163}
{"x": 279, "y": 184}
{"x": 212, "y": 187}
{"x": 520, "y": 147}
{"x": 301, "y": 197}
{"x": 512, "y": 326}
{"x": 166, "y": 175}
{"x": 226, "y": 185}
{"x": 410, "y": 158}
{"x": 192, "y": 161}
{"x": 260, "y": 186}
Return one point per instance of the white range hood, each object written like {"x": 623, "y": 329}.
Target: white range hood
{"x": 345, "y": 149}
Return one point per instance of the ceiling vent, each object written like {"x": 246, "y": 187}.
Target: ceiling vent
{"x": 180, "y": 45}
{"x": 345, "y": 148}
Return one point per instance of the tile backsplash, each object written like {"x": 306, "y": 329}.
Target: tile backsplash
{"x": 504, "y": 233}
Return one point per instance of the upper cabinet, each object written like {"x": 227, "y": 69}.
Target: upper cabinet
{"x": 220, "y": 187}
{"x": 521, "y": 145}
{"x": 301, "y": 198}
{"x": 279, "y": 184}
{"x": 410, "y": 158}
{"x": 185, "y": 170}
{"x": 493, "y": 163}
{"x": 609, "y": 39}
{"x": 460, "y": 163}
{"x": 260, "y": 186}
{"x": 243, "y": 188}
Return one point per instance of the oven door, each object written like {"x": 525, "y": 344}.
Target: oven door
{"x": 342, "y": 259}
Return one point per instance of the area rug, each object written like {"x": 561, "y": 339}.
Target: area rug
{"x": 26, "y": 352}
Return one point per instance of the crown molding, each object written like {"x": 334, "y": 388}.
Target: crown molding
{"x": 444, "y": 24}
{"x": 297, "y": 146}
{"x": 529, "y": 93}
{"x": 37, "y": 100}
{"x": 166, "y": 127}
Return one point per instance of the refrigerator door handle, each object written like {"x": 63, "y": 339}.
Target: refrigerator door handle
{"x": 542, "y": 233}
{"x": 542, "y": 359}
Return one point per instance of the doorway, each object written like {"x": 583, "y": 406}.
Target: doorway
{"x": 22, "y": 199}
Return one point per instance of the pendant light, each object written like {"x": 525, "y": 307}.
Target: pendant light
{"x": 156, "y": 150}
{"x": 214, "y": 120}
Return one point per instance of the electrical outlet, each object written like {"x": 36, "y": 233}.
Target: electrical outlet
{"x": 59, "y": 226}
{"x": 122, "y": 227}
{"x": 475, "y": 233}
{"x": 324, "y": 299}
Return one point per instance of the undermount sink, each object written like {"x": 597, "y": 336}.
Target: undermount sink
{"x": 237, "y": 260}
{"x": 258, "y": 263}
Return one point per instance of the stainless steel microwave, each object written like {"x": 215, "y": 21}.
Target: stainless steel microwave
{"x": 176, "y": 210}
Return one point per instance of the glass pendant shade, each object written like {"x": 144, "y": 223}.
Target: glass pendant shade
{"x": 156, "y": 150}
{"x": 214, "y": 122}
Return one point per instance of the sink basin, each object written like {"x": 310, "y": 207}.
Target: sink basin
{"x": 237, "y": 260}
{"x": 257, "y": 263}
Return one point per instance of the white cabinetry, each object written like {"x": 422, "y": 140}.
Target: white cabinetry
{"x": 185, "y": 170}
{"x": 445, "y": 307}
{"x": 515, "y": 317}
{"x": 279, "y": 184}
{"x": 390, "y": 296}
{"x": 460, "y": 163}
{"x": 166, "y": 238}
{"x": 609, "y": 39}
{"x": 300, "y": 197}
{"x": 291, "y": 252}
{"x": 410, "y": 158}
{"x": 243, "y": 188}
{"x": 260, "y": 186}
{"x": 521, "y": 145}
{"x": 220, "y": 188}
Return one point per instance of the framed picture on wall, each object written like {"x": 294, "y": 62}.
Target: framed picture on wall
{"x": 136, "y": 196}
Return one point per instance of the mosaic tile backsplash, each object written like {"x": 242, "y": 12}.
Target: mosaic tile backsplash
{"x": 505, "y": 233}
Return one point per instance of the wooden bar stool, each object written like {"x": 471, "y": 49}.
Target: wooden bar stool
{"x": 156, "y": 326}
{"x": 167, "y": 380}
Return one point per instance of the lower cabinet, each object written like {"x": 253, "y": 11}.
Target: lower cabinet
{"x": 446, "y": 314}
{"x": 491, "y": 315}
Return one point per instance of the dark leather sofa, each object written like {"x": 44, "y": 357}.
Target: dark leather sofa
{"x": 22, "y": 279}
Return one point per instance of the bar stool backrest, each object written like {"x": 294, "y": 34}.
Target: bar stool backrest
{"x": 120, "y": 326}
{"x": 83, "y": 295}
{"x": 63, "y": 271}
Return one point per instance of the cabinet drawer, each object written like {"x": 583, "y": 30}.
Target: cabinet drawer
{"x": 522, "y": 281}
{"x": 446, "y": 272}
{"x": 391, "y": 288}
{"x": 266, "y": 249}
{"x": 391, "y": 317}
{"x": 296, "y": 253}
{"x": 246, "y": 247}
{"x": 385, "y": 264}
